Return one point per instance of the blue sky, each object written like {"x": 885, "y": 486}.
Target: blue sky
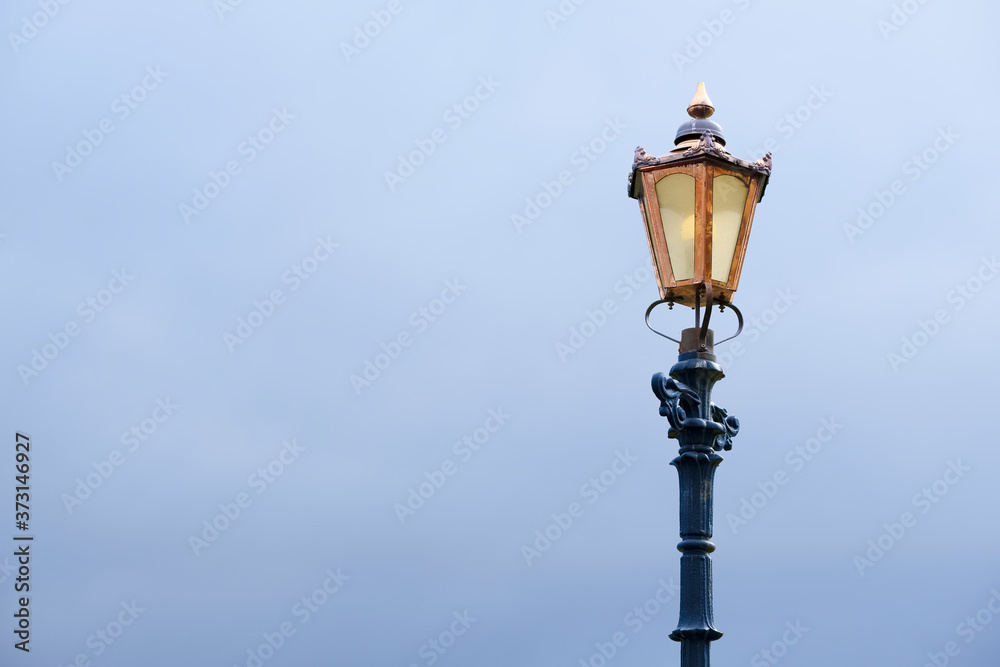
{"x": 273, "y": 281}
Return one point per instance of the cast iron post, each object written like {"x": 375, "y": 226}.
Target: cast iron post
{"x": 702, "y": 429}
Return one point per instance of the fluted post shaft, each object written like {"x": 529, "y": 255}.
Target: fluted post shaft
{"x": 701, "y": 429}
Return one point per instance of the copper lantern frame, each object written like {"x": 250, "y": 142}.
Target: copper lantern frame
{"x": 702, "y": 157}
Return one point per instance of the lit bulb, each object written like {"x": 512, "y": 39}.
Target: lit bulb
{"x": 687, "y": 228}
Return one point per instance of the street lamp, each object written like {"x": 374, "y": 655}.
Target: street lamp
{"x": 697, "y": 204}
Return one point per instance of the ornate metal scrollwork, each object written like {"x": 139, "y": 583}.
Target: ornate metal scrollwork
{"x": 730, "y": 423}
{"x": 706, "y": 145}
{"x": 642, "y": 158}
{"x": 764, "y": 163}
{"x": 673, "y": 395}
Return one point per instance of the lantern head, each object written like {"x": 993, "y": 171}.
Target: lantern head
{"x": 697, "y": 205}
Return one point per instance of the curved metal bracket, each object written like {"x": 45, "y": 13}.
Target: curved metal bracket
{"x": 650, "y": 310}
{"x": 739, "y": 317}
{"x": 703, "y": 336}
{"x": 703, "y": 325}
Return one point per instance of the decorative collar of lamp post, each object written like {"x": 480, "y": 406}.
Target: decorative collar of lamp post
{"x": 697, "y": 203}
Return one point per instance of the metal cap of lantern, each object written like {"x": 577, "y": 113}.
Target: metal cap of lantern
{"x": 697, "y": 204}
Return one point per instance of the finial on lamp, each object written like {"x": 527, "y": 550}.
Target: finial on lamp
{"x": 701, "y": 106}
{"x": 690, "y": 133}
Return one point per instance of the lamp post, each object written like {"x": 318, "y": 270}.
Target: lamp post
{"x": 697, "y": 204}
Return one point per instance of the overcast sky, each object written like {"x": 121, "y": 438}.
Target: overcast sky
{"x": 325, "y": 323}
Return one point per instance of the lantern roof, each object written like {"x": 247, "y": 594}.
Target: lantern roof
{"x": 696, "y": 151}
{"x": 697, "y": 139}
